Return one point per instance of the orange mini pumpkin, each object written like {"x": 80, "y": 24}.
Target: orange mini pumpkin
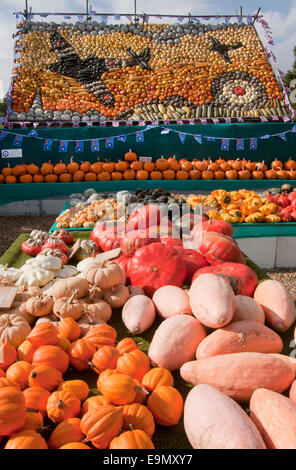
{"x": 45, "y": 376}
{"x": 7, "y": 171}
{"x": 102, "y": 424}
{"x": 7, "y": 355}
{"x": 72, "y": 166}
{"x": 162, "y": 164}
{"x": 19, "y": 372}
{"x": 126, "y": 345}
{"x": 116, "y": 176}
{"x": 62, "y": 405}
{"x": 51, "y": 178}
{"x": 26, "y": 439}
{"x": 169, "y": 175}
{"x": 12, "y": 410}
{"x": 43, "y": 333}
{"x": 149, "y": 166}
{"x": 129, "y": 174}
{"x": 67, "y": 431}
{"x": 130, "y": 156}
{"x": 59, "y": 168}
{"x": 142, "y": 175}
{"x": 79, "y": 388}
{"x": 10, "y": 179}
{"x": 52, "y": 356}
{"x": 156, "y": 377}
{"x": 37, "y": 398}
{"x": 38, "y": 178}
{"x": 121, "y": 166}
{"x": 120, "y": 389}
{"x": 137, "y": 416}
{"x": 69, "y": 328}
{"x": 46, "y": 168}
{"x": 33, "y": 421}
{"x": 132, "y": 440}
{"x": 156, "y": 175}
{"x": 135, "y": 363}
{"x": 101, "y": 335}
{"x": 85, "y": 167}
{"x": 32, "y": 169}
{"x": 166, "y": 405}
{"x": 136, "y": 165}
{"x": 105, "y": 358}
{"x": 65, "y": 178}
{"x": 103, "y": 376}
{"x": 108, "y": 166}
{"x": 80, "y": 353}
{"x": 26, "y": 179}
{"x": 91, "y": 176}
{"x": 78, "y": 176}
{"x": 19, "y": 170}
{"x": 94, "y": 402}
{"x": 96, "y": 167}
{"x": 207, "y": 175}
{"x": 174, "y": 164}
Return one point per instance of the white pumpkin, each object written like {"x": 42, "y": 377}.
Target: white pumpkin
{"x": 51, "y": 263}
{"x": 66, "y": 271}
{"x": 35, "y": 277}
{"x": 87, "y": 322}
{"x": 14, "y": 328}
{"x": 11, "y": 274}
{"x": 82, "y": 265}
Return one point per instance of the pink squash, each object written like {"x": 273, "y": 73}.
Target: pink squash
{"x": 288, "y": 359}
{"x": 274, "y": 415}
{"x": 170, "y": 301}
{"x": 277, "y": 303}
{"x": 212, "y": 300}
{"x": 138, "y": 314}
{"x": 246, "y": 308}
{"x": 175, "y": 341}
{"x": 212, "y": 420}
{"x": 240, "y": 336}
{"x": 239, "y": 374}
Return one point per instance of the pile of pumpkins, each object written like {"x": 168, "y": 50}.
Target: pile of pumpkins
{"x": 132, "y": 168}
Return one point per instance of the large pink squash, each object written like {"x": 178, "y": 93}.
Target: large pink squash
{"x": 275, "y": 417}
{"x": 138, "y": 314}
{"x": 218, "y": 248}
{"x": 212, "y": 420}
{"x": 277, "y": 304}
{"x": 170, "y": 301}
{"x": 239, "y": 374}
{"x": 212, "y": 300}
{"x": 175, "y": 341}
{"x": 240, "y": 336}
{"x": 246, "y": 308}
{"x": 242, "y": 279}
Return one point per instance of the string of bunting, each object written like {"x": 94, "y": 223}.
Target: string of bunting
{"x": 139, "y": 137}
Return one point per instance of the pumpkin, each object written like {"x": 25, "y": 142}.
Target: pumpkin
{"x": 116, "y": 296}
{"x": 19, "y": 373}
{"x": 166, "y": 405}
{"x": 52, "y": 356}
{"x": 5, "y": 382}
{"x": 126, "y": 345}
{"x": 72, "y": 307}
{"x": 14, "y": 328}
{"x": 135, "y": 364}
{"x": 93, "y": 402}
{"x": 119, "y": 388}
{"x": 7, "y": 354}
{"x": 85, "y": 167}
{"x": 105, "y": 357}
{"x": 43, "y": 333}
{"x": 156, "y": 377}
{"x": 40, "y": 305}
{"x": 72, "y": 166}
{"x": 66, "y": 287}
{"x": 26, "y": 351}
{"x": 101, "y": 335}
{"x": 175, "y": 341}
{"x": 12, "y": 410}
{"x": 205, "y": 428}
{"x": 216, "y": 310}
{"x": 75, "y": 445}
{"x": 63, "y": 343}
{"x": 79, "y": 388}
{"x": 224, "y": 373}
{"x": 26, "y": 439}
{"x": 103, "y": 375}
{"x": 37, "y": 397}
{"x": 213, "y": 226}
{"x": 144, "y": 217}
{"x": 101, "y": 425}
{"x": 246, "y": 308}
{"x": 80, "y": 353}
{"x": 62, "y": 405}
{"x": 218, "y": 248}
{"x": 135, "y": 239}
{"x": 69, "y": 328}
{"x": 104, "y": 276}
{"x": 87, "y": 322}
{"x": 44, "y": 376}
{"x": 136, "y": 439}
{"x": 65, "y": 432}
{"x": 33, "y": 421}
{"x": 179, "y": 301}
{"x": 277, "y": 303}
{"x": 156, "y": 265}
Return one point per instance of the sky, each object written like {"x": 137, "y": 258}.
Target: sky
{"x": 281, "y": 17}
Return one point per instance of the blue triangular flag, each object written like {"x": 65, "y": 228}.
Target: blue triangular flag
{"x": 109, "y": 143}
{"x": 79, "y": 146}
{"x": 139, "y": 136}
{"x": 282, "y": 136}
{"x": 3, "y": 134}
{"x": 198, "y": 138}
{"x": 225, "y": 144}
{"x": 240, "y": 144}
{"x": 265, "y": 136}
{"x": 63, "y": 147}
{"x": 182, "y": 137}
{"x": 47, "y": 145}
{"x": 95, "y": 145}
{"x": 33, "y": 133}
{"x": 18, "y": 140}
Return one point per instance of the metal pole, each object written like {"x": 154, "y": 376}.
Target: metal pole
{"x": 150, "y": 14}
{"x": 256, "y": 16}
{"x": 26, "y": 9}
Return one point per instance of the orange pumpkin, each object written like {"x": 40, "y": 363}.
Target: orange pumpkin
{"x": 291, "y": 174}
{"x": 182, "y": 175}
{"x": 136, "y": 416}
{"x": 93, "y": 402}
{"x": 32, "y": 169}
{"x": 121, "y": 166}
{"x": 162, "y": 164}
{"x": 142, "y": 175}
{"x": 10, "y": 179}
{"x": 12, "y": 410}
{"x": 116, "y": 176}
{"x": 244, "y": 174}
{"x": 108, "y": 166}
{"x": 24, "y": 179}
{"x": 75, "y": 445}
{"x": 166, "y": 405}
{"x": 85, "y": 167}
{"x": 130, "y": 156}
{"x": 62, "y": 405}
{"x": 96, "y": 167}
{"x": 26, "y": 351}
{"x": 103, "y": 375}
{"x": 282, "y": 174}
{"x": 156, "y": 377}
{"x": 19, "y": 170}
{"x": 7, "y": 355}
{"x": 69, "y": 328}
{"x": 65, "y": 178}
{"x": 51, "y": 178}
{"x": 37, "y": 398}
{"x": 149, "y": 166}
{"x": 91, "y": 176}
{"x": 67, "y": 431}
{"x": 63, "y": 343}
{"x": 80, "y": 353}
{"x": 156, "y": 175}
{"x": 46, "y": 168}
{"x": 72, "y": 166}
{"x": 200, "y": 165}
{"x": 102, "y": 424}
{"x": 78, "y": 176}
{"x": 52, "y": 356}
{"x": 132, "y": 440}
{"x": 231, "y": 174}
{"x": 45, "y": 376}
{"x": 194, "y": 174}
{"x": 33, "y": 421}
{"x": 257, "y": 175}
{"x": 219, "y": 175}
{"x": 207, "y": 175}
{"x": 120, "y": 389}
{"x": 5, "y": 382}
{"x": 38, "y": 178}
{"x": 277, "y": 165}
{"x": 237, "y": 165}
{"x": 59, "y": 168}
{"x": 136, "y": 165}
{"x": 43, "y": 333}
{"x": 270, "y": 175}
{"x": 105, "y": 358}
{"x": 79, "y": 388}
{"x": 126, "y": 345}
{"x": 169, "y": 174}
{"x": 290, "y": 164}
{"x": 135, "y": 363}
{"x": 19, "y": 373}
{"x": 7, "y": 171}
{"x": 174, "y": 164}
{"x": 129, "y": 174}
{"x": 26, "y": 439}
{"x": 101, "y": 335}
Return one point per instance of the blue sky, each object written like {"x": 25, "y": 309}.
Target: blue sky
{"x": 281, "y": 16}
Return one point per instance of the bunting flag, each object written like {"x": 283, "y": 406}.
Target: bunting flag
{"x": 33, "y": 133}
{"x": 198, "y": 138}
{"x": 140, "y": 137}
{"x": 263, "y": 119}
{"x": 227, "y": 120}
{"x": 283, "y": 136}
{"x": 225, "y": 144}
{"x": 115, "y": 123}
{"x": 204, "y": 121}
{"x": 253, "y": 143}
{"x": 18, "y": 139}
{"x": 47, "y": 145}
{"x": 79, "y": 146}
{"x": 240, "y": 145}
{"x": 95, "y": 145}
{"x": 215, "y": 120}
{"x": 265, "y": 137}
{"x": 211, "y": 139}
{"x": 240, "y": 119}
{"x": 142, "y": 123}
{"x": 122, "y": 138}
{"x": 3, "y": 134}
{"x": 63, "y": 147}
{"x": 109, "y": 142}
{"x": 182, "y": 137}
{"x": 165, "y": 131}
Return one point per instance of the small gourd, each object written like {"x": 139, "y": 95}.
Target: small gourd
{"x": 116, "y": 296}
{"x": 69, "y": 307}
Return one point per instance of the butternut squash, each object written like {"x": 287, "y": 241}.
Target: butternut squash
{"x": 246, "y": 308}
{"x": 170, "y": 301}
{"x": 175, "y": 341}
{"x": 212, "y": 420}
{"x": 240, "y": 336}
{"x": 138, "y": 314}
{"x": 277, "y": 303}
{"x": 239, "y": 374}
{"x": 212, "y": 300}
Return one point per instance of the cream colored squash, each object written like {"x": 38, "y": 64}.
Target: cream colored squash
{"x": 35, "y": 277}
{"x": 14, "y": 328}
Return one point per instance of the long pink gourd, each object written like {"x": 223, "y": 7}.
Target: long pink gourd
{"x": 212, "y": 420}
{"x": 240, "y": 336}
{"x": 246, "y": 308}
{"x": 239, "y": 374}
{"x": 138, "y": 314}
{"x": 170, "y": 301}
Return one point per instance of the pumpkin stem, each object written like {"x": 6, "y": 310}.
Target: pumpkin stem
{"x": 85, "y": 441}
{"x": 72, "y": 296}
{"x": 33, "y": 410}
{"x": 60, "y": 404}
{"x": 142, "y": 389}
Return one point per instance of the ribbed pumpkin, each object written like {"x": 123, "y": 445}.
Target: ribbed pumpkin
{"x": 80, "y": 353}
{"x": 19, "y": 373}
{"x": 26, "y": 439}
{"x": 101, "y": 335}
{"x": 135, "y": 363}
{"x": 65, "y": 307}
{"x": 62, "y": 405}
{"x": 2, "y": 373}
{"x": 136, "y": 416}
{"x": 37, "y": 398}
{"x": 43, "y": 333}
{"x": 69, "y": 328}
{"x": 132, "y": 440}
{"x": 105, "y": 357}
{"x": 5, "y": 382}
{"x": 12, "y": 410}
{"x": 141, "y": 392}
{"x": 119, "y": 388}
{"x": 45, "y": 376}
{"x": 79, "y": 388}
{"x": 156, "y": 377}
{"x": 26, "y": 351}
{"x": 166, "y": 405}
{"x": 52, "y": 356}
{"x": 93, "y": 402}
{"x": 33, "y": 421}
{"x": 75, "y": 445}
{"x": 63, "y": 343}
{"x": 101, "y": 425}
{"x": 103, "y": 375}
{"x": 67, "y": 431}
{"x": 7, "y": 355}
{"x": 126, "y": 345}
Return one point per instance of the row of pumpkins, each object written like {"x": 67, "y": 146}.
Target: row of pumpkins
{"x": 131, "y": 168}
{"x": 220, "y": 321}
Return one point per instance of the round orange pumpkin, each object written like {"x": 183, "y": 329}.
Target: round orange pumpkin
{"x": 103, "y": 375}
{"x": 62, "y": 405}
{"x": 101, "y": 425}
{"x": 79, "y": 388}
{"x": 136, "y": 416}
{"x": 7, "y": 355}
{"x": 67, "y": 431}
{"x": 12, "y": 410}
{"x": 120, "y": 389}
{"x": 69, "y": 328}
{"x": 80, "y": 353}
{"x": 166, "y": 405}
{"x": 126, "y": 345}
{"x": 135, "y": 363}
{"x": 26, "y": 439}
{"x": 105, "y": 358}
{"x": 37, "y": 398}
{"x": 130, "y": 156}
{"x": 19, "y": 373}
{"x": 44, "y": 333}
{"x": 93, "y": 402}
{"x": 52, "y": 356}
{"x": 156, "y": 377}
{"x": 101, "y": 335}
{"x": 132, "y": 440}
{"x": 72, "y": 166}
{"x": 75, "y": 445}
{"x": 33, "y": 421}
